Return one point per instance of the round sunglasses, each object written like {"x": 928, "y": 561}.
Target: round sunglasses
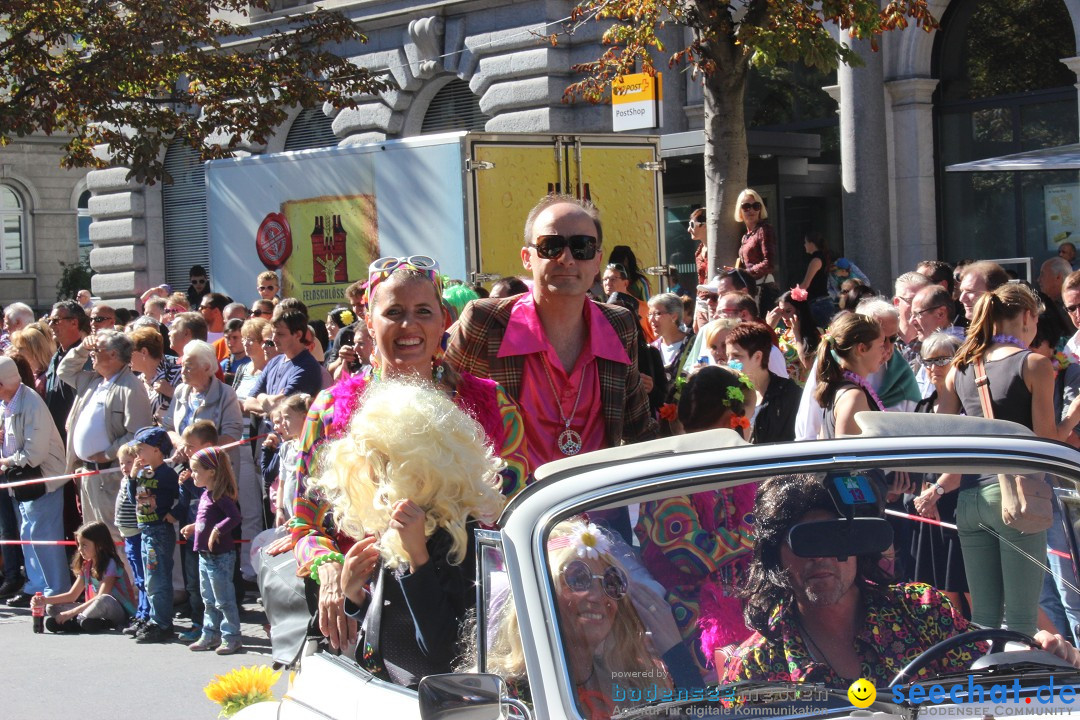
{"x": 579, "y": 577}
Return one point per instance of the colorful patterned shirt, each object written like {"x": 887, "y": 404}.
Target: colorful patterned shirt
{"x": 899, "y": 624}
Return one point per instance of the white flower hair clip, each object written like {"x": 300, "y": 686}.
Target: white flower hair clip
{"x": 590, "y": 542}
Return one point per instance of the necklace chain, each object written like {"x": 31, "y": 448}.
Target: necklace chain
{"x": 569, "y": 440}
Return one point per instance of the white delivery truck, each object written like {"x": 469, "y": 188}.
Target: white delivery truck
{"x": 321, "y": 216}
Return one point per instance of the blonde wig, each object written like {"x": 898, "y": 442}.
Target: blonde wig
{"x": 409, "y": 441}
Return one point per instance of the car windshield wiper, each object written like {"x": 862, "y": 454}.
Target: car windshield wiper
{"x": 744, "y": 694}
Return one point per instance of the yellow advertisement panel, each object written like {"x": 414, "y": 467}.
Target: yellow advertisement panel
{"x": 636, "y": 88}
{"x": 626, "y": 196}
{"x": 334, "y": 238}
{"x": 504, "y": 195}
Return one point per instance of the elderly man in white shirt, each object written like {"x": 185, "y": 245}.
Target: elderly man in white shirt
{"x": 111, "y": 404}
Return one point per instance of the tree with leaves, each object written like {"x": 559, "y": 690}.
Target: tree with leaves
{"x": 120, "y": 79}
{"x": 728, "y": 38}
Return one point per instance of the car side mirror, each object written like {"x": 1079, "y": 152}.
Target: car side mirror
{"x": 462, "y": 696}
{"x": 840, "y": 538}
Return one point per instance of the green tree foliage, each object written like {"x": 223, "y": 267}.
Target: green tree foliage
{"x": 124, "y": 77}
{"x": 728, "y": 37}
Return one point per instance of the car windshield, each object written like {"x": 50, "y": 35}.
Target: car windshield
{"x": 817, "y": 577}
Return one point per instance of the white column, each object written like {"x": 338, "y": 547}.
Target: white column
{"x": 912, "y": 171}
{"x": 1073, "y": 64}
{"x": 864, "y": 164}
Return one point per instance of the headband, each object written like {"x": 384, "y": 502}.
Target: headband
{"x": 209, "y": 457}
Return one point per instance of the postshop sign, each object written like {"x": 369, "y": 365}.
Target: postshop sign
{"x": 636, "y": 102}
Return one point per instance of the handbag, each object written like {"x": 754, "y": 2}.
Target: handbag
{"x": 286, "y": 606}
{"x": 1026, "y": 502}
{"x": 26, "y": 493}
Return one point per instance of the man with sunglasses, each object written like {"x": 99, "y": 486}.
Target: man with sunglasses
{"x": 102, "y": 317}
{"x": 267, "y": 285}
{"x": 200, "y": 285}
{"x": 70, "y": 324}
{"x": 559, "y": 355}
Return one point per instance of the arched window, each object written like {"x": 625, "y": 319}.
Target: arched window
{"x": 184, "y": 209}
{"x": 84, "y": 219}
{"x": 454, "y": 107}
{"x": 12, "y": 230}
{"x": 311, "y": 129}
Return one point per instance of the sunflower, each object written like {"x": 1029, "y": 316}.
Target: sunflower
{"x": 242, "y": 687}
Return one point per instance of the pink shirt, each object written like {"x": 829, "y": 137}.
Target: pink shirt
{"x": 543, "y": 421}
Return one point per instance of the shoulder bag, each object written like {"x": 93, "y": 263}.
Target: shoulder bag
{"x": 1026, "y": 502}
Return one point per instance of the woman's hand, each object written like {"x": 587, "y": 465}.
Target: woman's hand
{"x": 408, "y": 519}
{"x": 281, "y": 545}
{"x": 901, "y": 485}
{"x": 1059, "y": 646}
{"x": 926, "y": 503}
{"x": 359, "y": 565}
{"x": 187, "y": 531}
{"x": 334, "y": 624}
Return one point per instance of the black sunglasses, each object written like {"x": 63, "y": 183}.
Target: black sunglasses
{"x": 549, "y": 247}
{"x": 98, "y": 319}
{"x": 751, "y": 206}
{"x": 617, "y": 268}
{"x": 268, "y": 343}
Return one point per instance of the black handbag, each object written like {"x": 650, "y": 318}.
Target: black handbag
{"x": 26, "y": 493}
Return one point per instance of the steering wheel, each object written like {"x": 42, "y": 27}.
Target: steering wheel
{"x": 932, "y": 653}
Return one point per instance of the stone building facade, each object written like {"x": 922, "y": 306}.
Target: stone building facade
{"x": 884, "y": 199}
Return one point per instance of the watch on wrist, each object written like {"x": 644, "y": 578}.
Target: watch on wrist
{"x": 938, "y": 490}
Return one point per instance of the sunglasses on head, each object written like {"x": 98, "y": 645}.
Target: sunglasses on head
{"x": 617, "y": 268}
{"x": 390, "y": 264}
{"x": 579, "y": 577}
{"x": 750, "y": 206}
{"x": 549, "y": 247}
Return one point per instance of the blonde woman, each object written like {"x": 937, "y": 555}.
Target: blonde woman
{"x": 38, "y": 348}
{"x": 411, "y": 477}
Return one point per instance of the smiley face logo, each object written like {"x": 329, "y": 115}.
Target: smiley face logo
{"x": 862, "y": 693}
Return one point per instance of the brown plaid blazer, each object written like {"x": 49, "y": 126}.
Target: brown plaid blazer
{"x": 474, "y": 348}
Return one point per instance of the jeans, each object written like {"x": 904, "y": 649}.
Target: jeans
{"x": 133, "y": 550}
{"x": 1060, "y": 602}
{"x": 989, "y": 561}
{"x": 46, "y": 565}
{"x": 190, "y": 562}
{"x": 158, "y": 545}
{"x": 222, "y": 617}
{"x": 9, "y": 530}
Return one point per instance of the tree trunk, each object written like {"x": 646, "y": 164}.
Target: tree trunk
{"x": 726, "y": 160}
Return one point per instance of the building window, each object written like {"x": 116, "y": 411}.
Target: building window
{"x": 84, "y": 220}
{"x": 1005, "y": 90}
{"x": 12, "y": 231}
{"x": 454, "y": 107}
{"x": 311, "y": 129}
{"x": 184, "y": 208}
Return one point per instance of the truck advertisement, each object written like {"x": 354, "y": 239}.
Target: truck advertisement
{"x": 319, "y": 217}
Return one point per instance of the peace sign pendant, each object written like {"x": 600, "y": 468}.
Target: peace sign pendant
{"x": 569, "y": 442}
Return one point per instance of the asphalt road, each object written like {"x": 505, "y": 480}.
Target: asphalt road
{"x": 111, "y": 677}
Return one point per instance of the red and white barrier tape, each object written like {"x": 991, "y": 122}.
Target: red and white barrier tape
{"x": 950, "y": 526}
{"x": 106, "y": 471}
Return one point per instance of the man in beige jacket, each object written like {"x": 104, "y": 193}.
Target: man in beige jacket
{"x": 111, "y": 404}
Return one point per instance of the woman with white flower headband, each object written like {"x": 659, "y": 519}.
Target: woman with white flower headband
{"x": 697, "y": 546}
{"x": 412, "y": 477}
{"x": 607, "y": 649}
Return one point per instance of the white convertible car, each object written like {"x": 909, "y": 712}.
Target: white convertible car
{"x": 515, "y": 580}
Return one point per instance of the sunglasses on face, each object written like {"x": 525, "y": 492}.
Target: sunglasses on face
{"x": 198, "y": 281}
{"x": 750, "y": 206}
{"x": 916, "y": 314}
{"x": 268, "y": 344}
{"x": 266, "y": 287}
{"x": 892, "y": 338}
{"x": 175, "y": 310}
{"x": 694, "y": 222}
{"x": 579, "y": 577}
{"x": 549, "y": 247}
{"x": 98, "y": 319}
{"x": 938, "y": 362}
{"x": 257, "y": 313}
{"x": 58, "y": 320}
{"x": 1072, "y": 308}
